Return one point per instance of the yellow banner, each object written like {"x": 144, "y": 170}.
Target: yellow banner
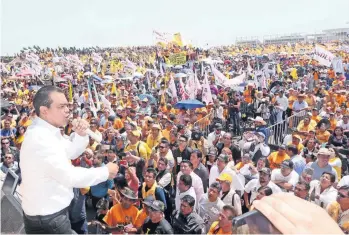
{"x": 177, "y": 59}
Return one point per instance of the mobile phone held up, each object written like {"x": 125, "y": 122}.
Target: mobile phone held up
{"x": 123, "y": 163}
{"x": 253, "y": 222}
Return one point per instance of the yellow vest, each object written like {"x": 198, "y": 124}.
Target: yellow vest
{"x": 151, "y": 191}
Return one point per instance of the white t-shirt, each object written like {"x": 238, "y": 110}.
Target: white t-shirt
{"x": 344, "y": 181}
{"x": 292, "y": 178}
{"x": 343, "y": 125}
{"x": 254, "y": 185}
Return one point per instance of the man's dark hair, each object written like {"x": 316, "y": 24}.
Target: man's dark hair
{"x": 165, "y": 142}
{"x": 188, "y": 199}
{"x": 217, "y": 186}
{"x": 152, "y": 170}
{"x": 332, "y": 176}
{"x": 293, "y": 149}
{"x": 267, "y": 190}
{"x": 42, "y": 97}
{"x": 164, "y": 160}
{"x": 184, "y": 136}
{"x": 306, "y": 185}
{"x": 197, "y": 152}
{"x": 188, "y": 162}
{"x": 186, "y": 179}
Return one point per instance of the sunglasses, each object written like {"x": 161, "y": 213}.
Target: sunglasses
{"x": 6, "y": 143}
{"x": 342, "y": 196}
{"x": 8, "y": 157}
{"x": 180, "y": 140}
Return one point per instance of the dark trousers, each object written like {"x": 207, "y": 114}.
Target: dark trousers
{"x": 57, "y": 223}
{"x": 235, "y": 121}
{"x": 80, "y": 227}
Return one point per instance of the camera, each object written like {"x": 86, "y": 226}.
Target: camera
{"x": 196, "y": 135}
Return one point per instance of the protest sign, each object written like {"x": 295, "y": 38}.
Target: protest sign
{"x": 177, "y": 59}
{"x": 323, "y": 56}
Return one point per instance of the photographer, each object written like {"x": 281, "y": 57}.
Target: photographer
{"x": 234, "y": 112}
{"x": 263, "y": 109}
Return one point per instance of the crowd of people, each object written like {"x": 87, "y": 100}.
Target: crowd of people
{"x": 192, "y": 169}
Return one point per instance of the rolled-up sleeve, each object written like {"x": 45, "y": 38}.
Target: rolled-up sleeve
{"x": 56, "y": 166}
{"x": 76, "y": 146}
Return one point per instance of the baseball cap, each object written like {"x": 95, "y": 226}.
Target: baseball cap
{"x": 156, "y": 126}
{"x": 136, "y": 133}
{"x": 265, "y": 170}
{"x": 225, "y": 177}
{"x": 148, "y": 200}
{"x": 287, "y": 163}
{"x": 261, "y": 134}
{"x": 157, "y": 206}
{"x": 282, "y": 147}
{"x": 218, "y": 126}
{"x": 223, "y": 158}
{"x": 212, "y": 152}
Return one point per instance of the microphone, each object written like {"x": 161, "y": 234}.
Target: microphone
{"x": 90, "y": 133}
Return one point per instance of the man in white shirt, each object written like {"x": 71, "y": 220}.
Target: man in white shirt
{"x": 282, "y": 100}
{"x": 343, "y": 181}
{"x": 253, "y": 186}
{"x": 184, "y": 187}
{"x": 286, "y": 178}
{"x": 48, "y": 177}
{"x": 344, "y": 123}
{"x": 214, "y": 137}
{"x": 187, "y": 169}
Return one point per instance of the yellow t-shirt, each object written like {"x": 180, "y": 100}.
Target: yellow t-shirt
{"x": 275, "y": 160}
{"x": 118, "y": 215}
{"x": 215, "y": 229}
{"x": 322, "y": 136}
{"x": 142, "y": 151}
{"x": 151, "y": 142}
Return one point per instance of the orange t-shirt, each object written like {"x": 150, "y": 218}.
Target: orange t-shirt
{"x": 215, "y": 229}
{"x": 141, "y": 216}
{"x": 118, "y": 215}
{"x": 275, "y": 160}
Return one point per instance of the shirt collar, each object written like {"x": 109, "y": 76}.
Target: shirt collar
{"x": 41, "y": 122}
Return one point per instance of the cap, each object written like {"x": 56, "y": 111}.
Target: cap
{"x": 298, "y": 137}
{"x": 259, "y": 119}
{"x": 282, "y": 147}
{"x": 225, "y": 177}
{"x": 127, "y": 192}
{"x": 158, "y": 206}
{"x": 287, "y": 163}
{"x": 223, "y": 157}
{"x": 218, "y": 126}
{"x": 145, "y": 100}
{"x": 148, "y": 200}
{"x": 212, "y": 152}
{"x": 136, "y": 133}
{"x": 156, "y": 126}
{"x": 89, "y": 151}
{"x": 324, "y": 151}
{"x": 265, "y": 170}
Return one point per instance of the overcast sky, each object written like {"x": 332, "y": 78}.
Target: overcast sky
{"x": 51, "y": 23}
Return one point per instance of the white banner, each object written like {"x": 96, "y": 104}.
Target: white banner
{"x": 323, "y": 56}
{"x": 206, "y": 91}
{"x": 337, "y": 64}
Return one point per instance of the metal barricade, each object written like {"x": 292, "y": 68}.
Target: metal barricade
{"x": 204, "y": 123}
{"x": 279, "y": 130}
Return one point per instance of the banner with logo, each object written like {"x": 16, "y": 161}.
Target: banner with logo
{"x": 323, "y": 56}
{"x": 178, "y": 59}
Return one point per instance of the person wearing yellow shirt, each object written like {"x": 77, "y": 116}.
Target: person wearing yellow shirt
{"x": 139, "y": 148}
{"x": 305, "y": 126}
{"x": 25, "y": 120}
{"x": 168, "y": 127}
{"x": 322, "y": 134}
{"x": 297, "y": 141}
{"x": 333, "y": 121}
{"x": 19, "y": 136}
{"x": 339, "y": 209}
{"x": 248, "y": 94}
{"x": 276, "y": 158}
{"x": 9, "y": 117}
{"x": 224, "y": 223}
{"x": 155, "y": 137}
{"x": 123, "y": 213}
{"x": 315, "y": 115}
{"x": 291, "y": 99}
{"x": 310, "y": 99}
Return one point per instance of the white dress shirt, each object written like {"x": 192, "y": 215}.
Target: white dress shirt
{"x": 48, "y": 177}
{"x": 253, "y": 186}
{"x": 196, "y": 182}
{"x": 179, "y": 196}
{"x": 283, "y": 102}
{"x": 344, "y": 181}
{"x": 236, "y": 184}
{"x": 328, "y": 196}
{"x": 292, "y": 178}
{"x": 212, "y": 136}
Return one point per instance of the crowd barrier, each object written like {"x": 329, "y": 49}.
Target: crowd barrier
{"x": 279, "y": 130}
{"x": 204, "y": 123}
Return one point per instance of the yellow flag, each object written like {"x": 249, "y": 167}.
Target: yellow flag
{"x": 70, "y": 91}
{"x": 294, "y": 73}
{"x": 113, "y": 88}
{"x": 278, "y": 69}
{"x": 177, "y": 38}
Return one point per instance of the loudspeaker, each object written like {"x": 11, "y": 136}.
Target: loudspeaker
{"x": 11, "y": 216}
